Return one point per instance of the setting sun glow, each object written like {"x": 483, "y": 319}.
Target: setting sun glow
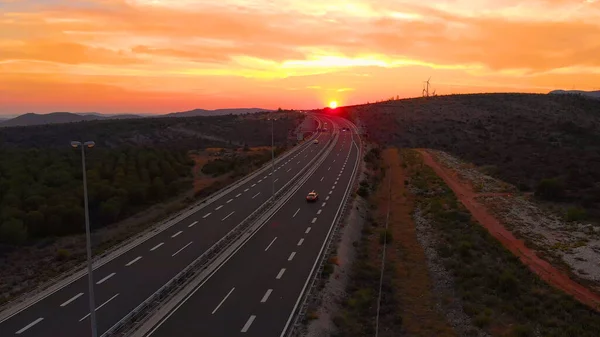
{"x": 164, "y": 56}
{"x": 333, "y": 104}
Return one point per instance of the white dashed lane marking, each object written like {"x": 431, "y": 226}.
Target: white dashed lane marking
{"x": 105, "y": 278}
{"x": 71, "y": 299}
{"x": 29, "y": 326}
{"x": 266, "y": 296}
{"x": 133, "y": 261}
{"x": 248, "y": 323}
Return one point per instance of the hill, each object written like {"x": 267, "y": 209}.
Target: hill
{"x": 30, "y": 119}
{"x": 529, "y": 140}
{"x": 58, "y": 118}
{"x": 592, "y": 94}
{"x": 217, "y": 112}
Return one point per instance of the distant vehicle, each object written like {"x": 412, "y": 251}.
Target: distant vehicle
{"x": 312, "y": 196}
{"x": 316, "y": 141}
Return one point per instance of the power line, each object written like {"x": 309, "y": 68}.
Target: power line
{"x": 387, "y": 219}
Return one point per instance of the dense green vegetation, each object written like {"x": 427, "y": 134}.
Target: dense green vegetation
{"x": 496, "y": 290}
{"x": 239, "y": 165}
{"x": 41, "y": 189}
{"x": 135, "y": 163}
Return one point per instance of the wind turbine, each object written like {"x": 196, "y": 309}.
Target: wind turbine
{"x": 426, "y": 90}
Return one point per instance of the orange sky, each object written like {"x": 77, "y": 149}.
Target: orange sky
{"x": 154, "y": 56}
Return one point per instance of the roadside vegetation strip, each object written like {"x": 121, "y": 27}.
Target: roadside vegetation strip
{"x": 416, "y": 301}
{"x": 408, "y": 303}
{"x": 496, "y": 291}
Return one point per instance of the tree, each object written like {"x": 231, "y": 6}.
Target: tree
{"x": 13, "y": 232}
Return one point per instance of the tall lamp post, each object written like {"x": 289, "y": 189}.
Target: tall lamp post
{"x": 88, "y": 144}
{"x": 272, "y": 160}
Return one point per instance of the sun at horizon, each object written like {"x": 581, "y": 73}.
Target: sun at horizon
{"x": 333, "y": 104}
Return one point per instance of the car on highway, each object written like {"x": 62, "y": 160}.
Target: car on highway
{"x": 312, "y": 196}
{"x": 316, "y": 141}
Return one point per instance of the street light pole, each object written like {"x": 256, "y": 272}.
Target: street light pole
{"x": 88, "y": 144}
{"x": 272, "y": 162}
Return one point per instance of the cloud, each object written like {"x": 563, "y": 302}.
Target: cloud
{"x": 245, "y": 44}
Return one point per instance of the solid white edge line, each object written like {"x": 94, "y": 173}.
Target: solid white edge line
{"x": 223, "y": 301}
{"x": 71, "y": 299}
{"x": 106, "y": 278}
{"x": 280, "y": 274}
{"x": 266, "y": 296}
{"x": 99, "y": 307}
{"x": 270, "y": 244}
{"x": 29, "y": 326}
{"x": 322, "y": 246}
{"x": 182, "y": 248}
{"x": 248, "y": 323}
{"x": 133, "y": 261}
{"x": 158, "y": 245}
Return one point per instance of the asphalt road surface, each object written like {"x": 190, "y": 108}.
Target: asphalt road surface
{"x": 128, "y": 280}
{"x": 256, "y": 290}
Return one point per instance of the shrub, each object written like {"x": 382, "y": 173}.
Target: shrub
{"x": 363, "y": 192}
{"x": 576, "y": 214}
{"x": 62, "y": 254}
{"x": 550, "y": 189}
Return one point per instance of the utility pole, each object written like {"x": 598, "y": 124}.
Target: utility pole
{"x": 88, "y": 144}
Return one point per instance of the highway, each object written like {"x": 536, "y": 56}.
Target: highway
{"x": 129, "y": 279}
{"x": 257, "y": 289}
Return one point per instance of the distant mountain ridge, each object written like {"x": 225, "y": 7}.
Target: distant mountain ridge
{"x": 217, "y": 112}
{"x": 70, "y": 117}
{"x": 57, "y": 118}
{"x": 592, "y": 94}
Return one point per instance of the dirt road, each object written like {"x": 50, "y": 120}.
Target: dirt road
{"x": 541, "y": 267}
